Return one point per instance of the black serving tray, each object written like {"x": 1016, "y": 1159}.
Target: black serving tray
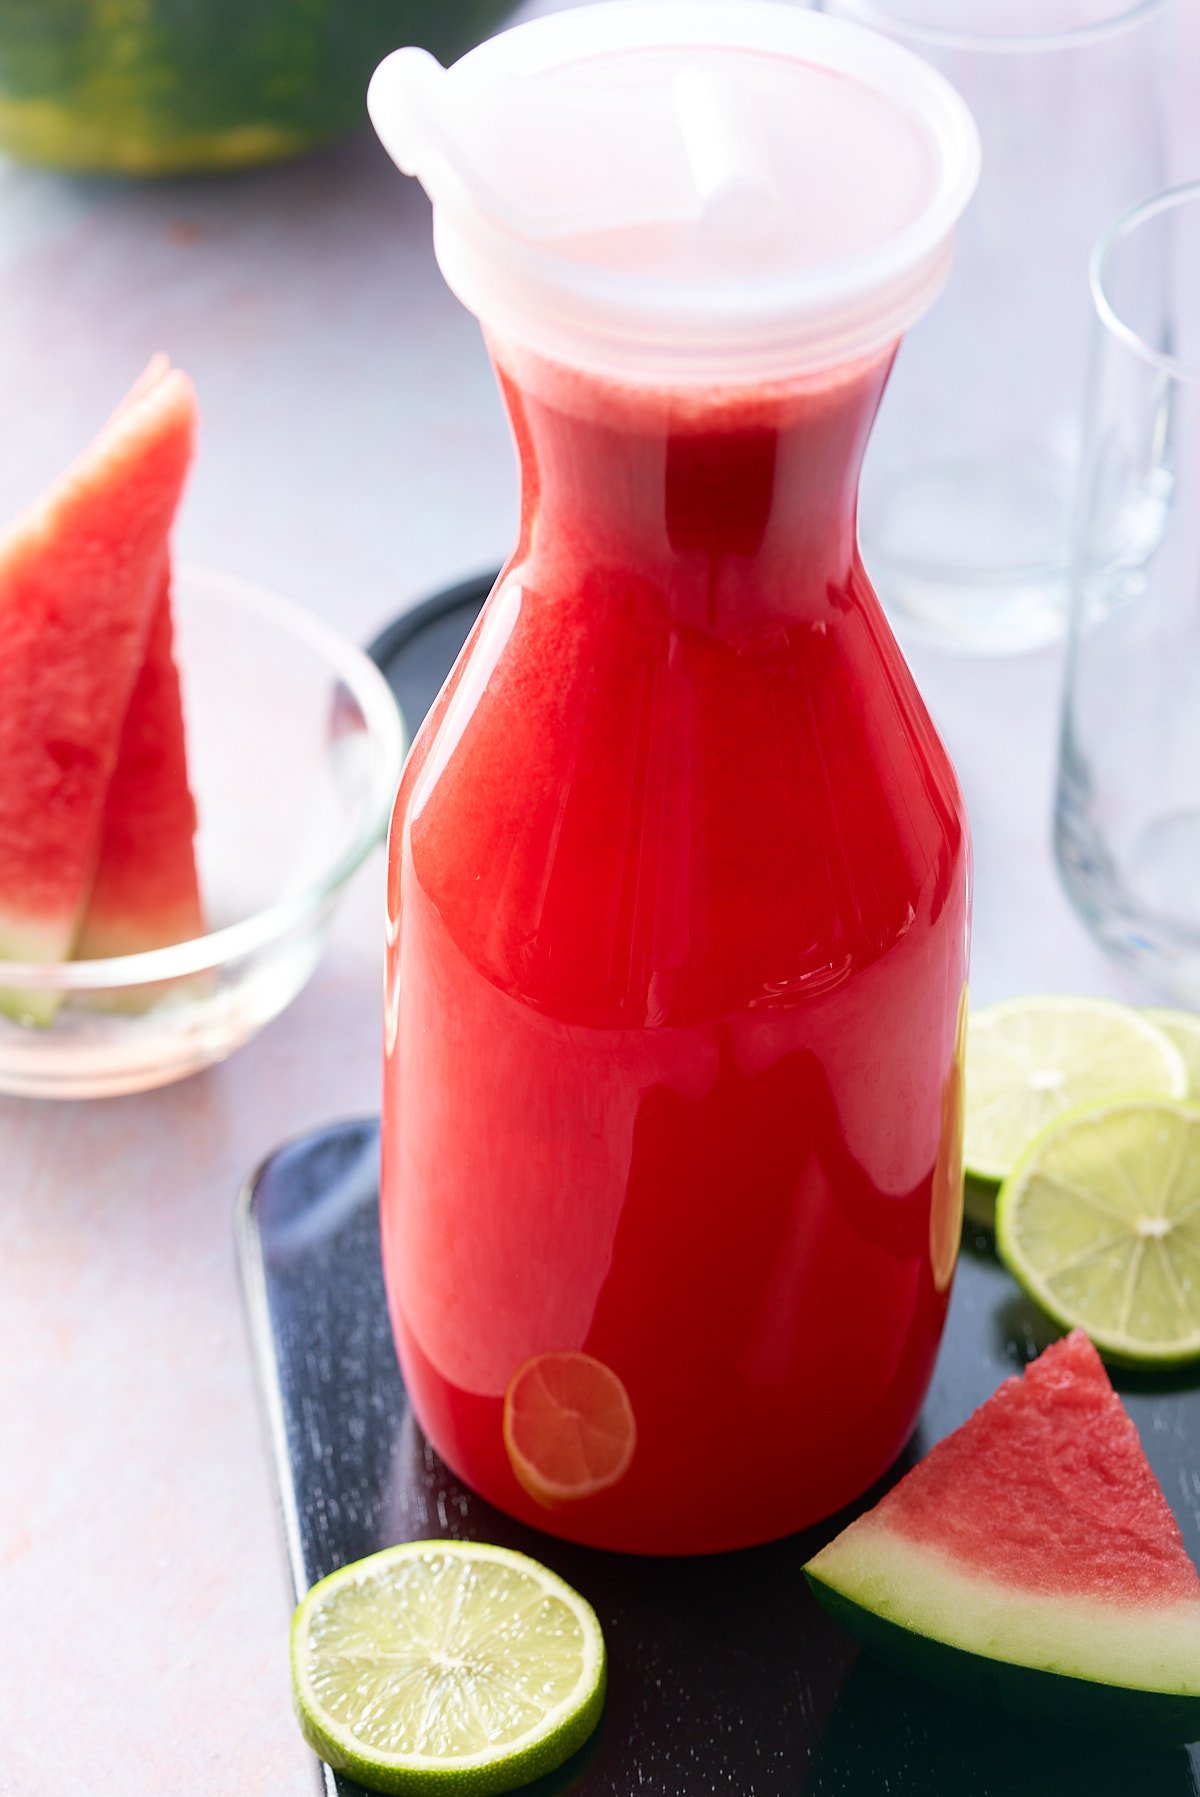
{"x": 725, "y": 1676}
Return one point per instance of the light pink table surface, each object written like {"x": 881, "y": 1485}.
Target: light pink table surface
{"x": 354, "y": 456}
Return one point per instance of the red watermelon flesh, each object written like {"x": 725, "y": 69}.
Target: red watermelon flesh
{"x": 145, "y": 893}
{"x": 79, "y": 579}
{"x": 1037, "y": 1538}
{"x": 1087, "y": 1512}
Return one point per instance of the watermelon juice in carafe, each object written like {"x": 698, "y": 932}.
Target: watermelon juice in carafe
{"x": 678, "y": 882}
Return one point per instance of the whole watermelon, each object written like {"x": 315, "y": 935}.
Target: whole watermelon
{"x": 163, "y": 87}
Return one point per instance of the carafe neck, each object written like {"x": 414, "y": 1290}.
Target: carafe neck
{"x": 726, "y": 504}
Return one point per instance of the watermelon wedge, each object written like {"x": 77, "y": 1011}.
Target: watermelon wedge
{"x": 145, "y": 893}
{"x": 80, "y": 577}
{"x": 1031, "y": 1561}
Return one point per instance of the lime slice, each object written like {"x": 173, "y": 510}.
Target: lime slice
{"x": 1100, "y": 1223}
{"x": 569, "y": 1429}
{"x": 1183, "y": 1028}
{"x": 1030, "y": 1060}
{"x": 446, "y": 1666}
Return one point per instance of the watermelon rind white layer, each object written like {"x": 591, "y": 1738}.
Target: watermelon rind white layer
{"x": 1125, "y": 1666}
{"x": 38, "y": 944}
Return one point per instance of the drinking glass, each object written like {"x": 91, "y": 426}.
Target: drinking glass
{"x": 1127, "y": 827}
{"x": 967, "y": 491}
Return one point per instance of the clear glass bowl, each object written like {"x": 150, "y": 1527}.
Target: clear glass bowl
{"x": 294, "y": 751}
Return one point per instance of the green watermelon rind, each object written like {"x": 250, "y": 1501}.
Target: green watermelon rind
{"x": 160, "y": 87}
{"x": 32, "y": 942}
{"x": 1053, "y": 1693}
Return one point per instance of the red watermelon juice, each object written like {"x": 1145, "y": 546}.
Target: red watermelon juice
{"x": 678, "y": 935}
{"x": 678, "y": 877}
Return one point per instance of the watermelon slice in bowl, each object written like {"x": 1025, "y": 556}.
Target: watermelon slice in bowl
{"x": 1030, "y": 1561}
{"x": 80, "y": 573}
{"x": 145, "y": 891}
{"x": 293, "y": 751}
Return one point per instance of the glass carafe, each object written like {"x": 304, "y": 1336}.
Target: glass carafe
{"x": 678, "y": 919}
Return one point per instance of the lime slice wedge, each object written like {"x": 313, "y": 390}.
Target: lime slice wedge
{"x": 447, "y": 1667}
{"x": 1030, "y": 1060}
{"x": 1183, "y": 1028}
{"x": 569, "y": 1429}
{"x": 1100, "y": 1224}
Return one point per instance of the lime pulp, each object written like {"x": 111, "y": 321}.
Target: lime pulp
{"x": 446, "y": 1666}
{"x": 1100, "y": 1224}
{"x": 1032, "y": 1060}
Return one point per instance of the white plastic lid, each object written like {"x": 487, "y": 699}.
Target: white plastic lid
{"x": 686, "y": 190}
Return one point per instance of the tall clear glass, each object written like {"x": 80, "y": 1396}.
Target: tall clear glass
{"x": 1128, "y": 810}
{"x": 966, "y": 501}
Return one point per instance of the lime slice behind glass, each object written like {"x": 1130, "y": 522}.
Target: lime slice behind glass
{"x": 1030, "y": 1060}
{"x": 568, "y": 1425}
{"x": 1183, "y": 1028}
{"x": 446, "y": 1667}
{"x": 1100, "y": 1224}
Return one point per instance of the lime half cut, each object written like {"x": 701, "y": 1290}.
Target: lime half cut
{"x": 1100, "y": 1224}
{"x": 446, "y": 1666}
{"x": 1030, "y": 1060}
